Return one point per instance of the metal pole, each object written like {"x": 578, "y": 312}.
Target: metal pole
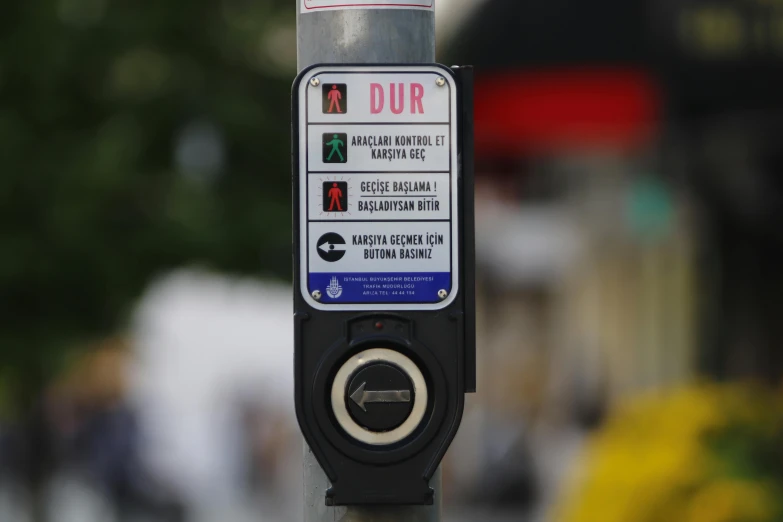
{"x": 363, "y": 36}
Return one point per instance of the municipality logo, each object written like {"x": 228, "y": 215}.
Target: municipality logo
{"x": 334, "y": 290}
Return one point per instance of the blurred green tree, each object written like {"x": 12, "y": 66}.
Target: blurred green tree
{"x": 135, "y": 137}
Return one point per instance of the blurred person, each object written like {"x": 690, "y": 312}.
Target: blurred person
{"x": 85, "y": 435}
{"x": 108, "y": 443}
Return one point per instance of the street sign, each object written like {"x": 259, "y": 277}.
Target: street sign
{"x": 311, "y": 6}
{"x": 378, "y": 174}
{"x": 384, "y": 292}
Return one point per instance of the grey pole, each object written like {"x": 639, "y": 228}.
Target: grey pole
{"x": 363, "y": 36}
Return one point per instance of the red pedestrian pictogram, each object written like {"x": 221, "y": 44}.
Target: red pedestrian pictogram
{"x": 334, "y": 98}
{"x": 335, "y": 194}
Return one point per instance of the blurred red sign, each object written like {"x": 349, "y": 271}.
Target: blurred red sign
{"x": 526, "y": 112}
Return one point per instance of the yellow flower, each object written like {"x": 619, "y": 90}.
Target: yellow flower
{"x": 651, "y": 462}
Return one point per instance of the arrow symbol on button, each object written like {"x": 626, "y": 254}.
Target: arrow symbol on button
{"x": 328, "y": 247}
{"x": 362, "y": 396}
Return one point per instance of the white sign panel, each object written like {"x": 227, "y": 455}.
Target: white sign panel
{"x": 311, "y": 6}
{"x": 378, "y": 188}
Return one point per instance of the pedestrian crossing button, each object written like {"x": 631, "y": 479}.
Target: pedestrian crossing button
{"x": 379, "y": 397}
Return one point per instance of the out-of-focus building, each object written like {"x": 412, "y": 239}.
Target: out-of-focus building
{"x": 627, "y": 207}
{"x": 722, "y": 65}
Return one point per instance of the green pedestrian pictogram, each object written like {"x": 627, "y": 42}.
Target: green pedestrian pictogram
{"x": 335, "y": 148}
{"x": 336, "y": 143}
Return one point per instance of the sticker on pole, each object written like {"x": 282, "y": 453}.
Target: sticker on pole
{"x": 377, "y": 178}
{"x": 312, "y": 6}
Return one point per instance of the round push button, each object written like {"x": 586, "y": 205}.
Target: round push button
{"x": 379, "y": 396}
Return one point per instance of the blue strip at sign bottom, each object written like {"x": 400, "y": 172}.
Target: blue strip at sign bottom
{"x": 384, "y": 287}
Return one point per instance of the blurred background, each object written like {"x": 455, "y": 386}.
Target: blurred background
{"x": 630, "y": 218}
